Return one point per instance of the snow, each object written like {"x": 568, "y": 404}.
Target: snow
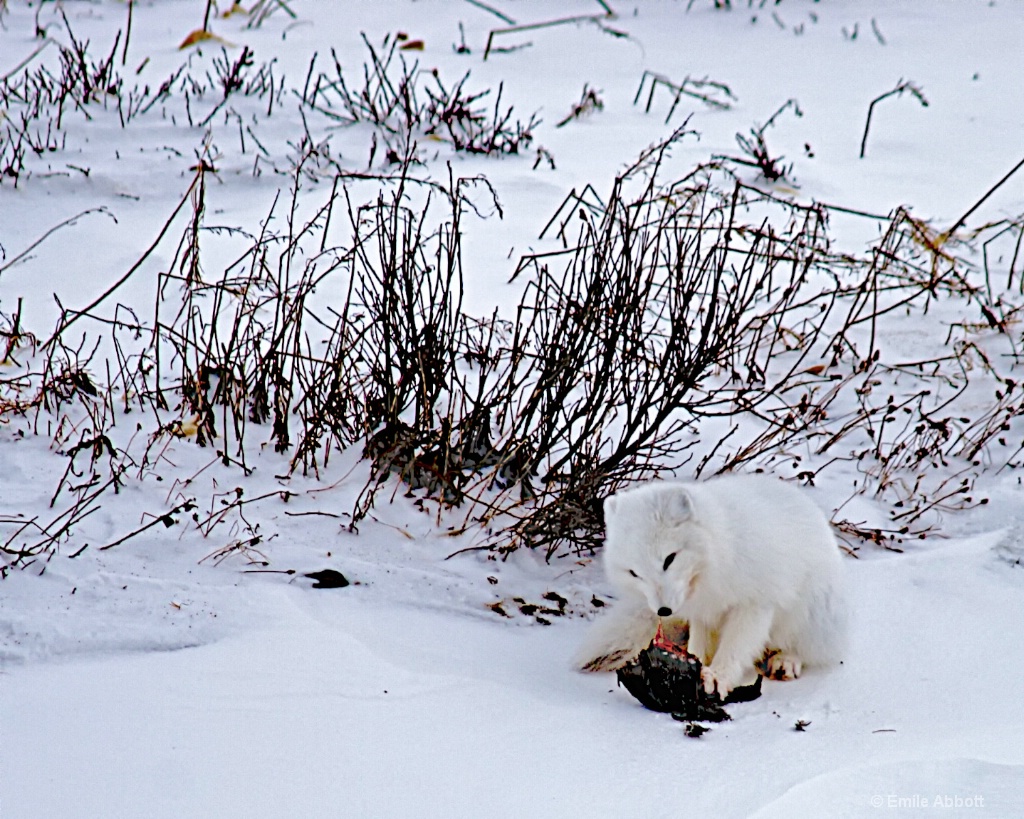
{"x": 346, "y": 702}
{"x": 165, "y": 677}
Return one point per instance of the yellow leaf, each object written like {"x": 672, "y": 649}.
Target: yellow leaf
{"x": 198, "y": 36}
{"x": 186, "y": 428}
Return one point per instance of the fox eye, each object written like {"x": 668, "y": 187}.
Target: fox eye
{"x": 634, "y": 574}
{"x": 668, "y": 562}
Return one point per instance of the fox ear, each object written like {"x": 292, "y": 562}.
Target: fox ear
{"x": 680, "y": 506}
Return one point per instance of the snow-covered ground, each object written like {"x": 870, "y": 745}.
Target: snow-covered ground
{"x": 173, "y": 675}
{"x": 346, "y": 702}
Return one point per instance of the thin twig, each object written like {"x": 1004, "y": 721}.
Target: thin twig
{"x": 899, "y": 90}
{"x": 960, "y": 222}
{"x": 103, "y": 296}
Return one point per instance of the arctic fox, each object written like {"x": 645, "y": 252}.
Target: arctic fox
{"x": 747, "y": 562}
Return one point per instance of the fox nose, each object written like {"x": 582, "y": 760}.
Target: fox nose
{"x": 664, "y": 611}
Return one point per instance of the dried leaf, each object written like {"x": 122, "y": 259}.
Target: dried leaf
{"x": 199, "y": 36}
{"x": 187, "y": 428}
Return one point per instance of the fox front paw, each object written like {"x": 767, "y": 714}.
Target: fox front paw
{"x": 722, "y": 681}
{"x": 717, "y": 682}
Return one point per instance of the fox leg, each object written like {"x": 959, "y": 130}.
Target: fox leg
{"x": 742, "y": 639}
{"x": 699, "y": 642}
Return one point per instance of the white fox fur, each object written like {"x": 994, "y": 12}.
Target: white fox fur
{"x": 748, "y": 562}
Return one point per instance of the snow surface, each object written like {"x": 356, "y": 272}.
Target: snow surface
{"x": 139, "y": 682}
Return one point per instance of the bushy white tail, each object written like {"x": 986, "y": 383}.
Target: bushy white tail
{"x": 617, "y": 637}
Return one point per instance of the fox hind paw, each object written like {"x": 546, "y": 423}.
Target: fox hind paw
{"x": 778, "y": 665}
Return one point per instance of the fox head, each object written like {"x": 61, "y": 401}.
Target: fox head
{"x": 654, "y": 546}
